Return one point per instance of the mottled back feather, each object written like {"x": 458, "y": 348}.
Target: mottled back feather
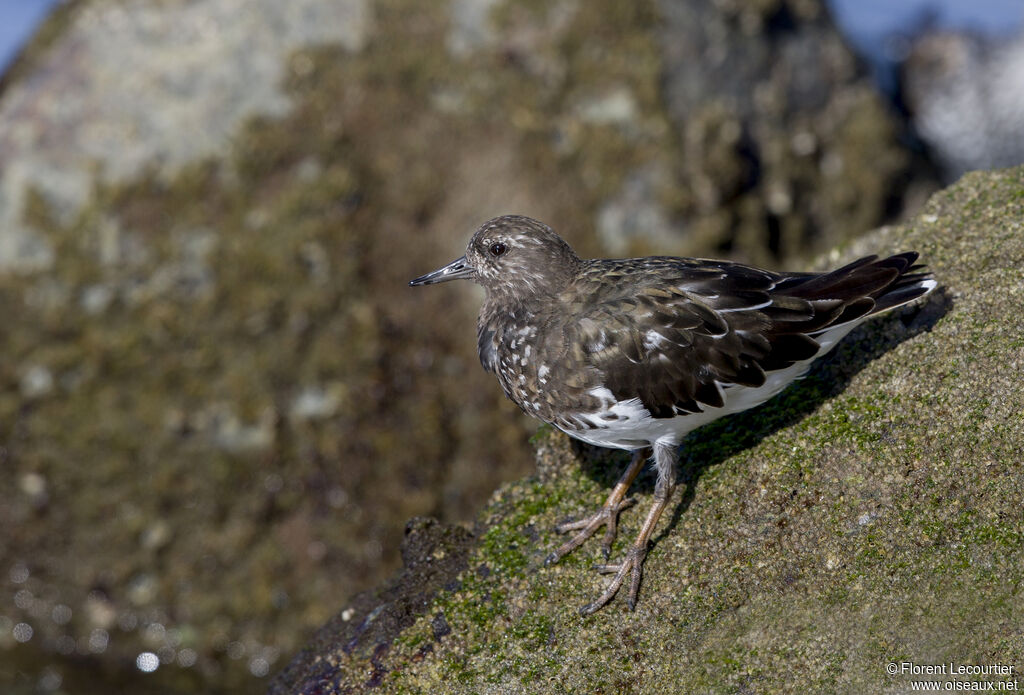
{"x": 673, "y": 331}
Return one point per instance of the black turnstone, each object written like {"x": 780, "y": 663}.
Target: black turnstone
{"x": 635, "y": 353}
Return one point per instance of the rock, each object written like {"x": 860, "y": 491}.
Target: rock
{"x": 965, "y": 94}
{"x": 784, "y": 143}
{"x": 36, "y": 382}
{"x": 33, "y": 486}
{"x": 433, "y": 556}
{"x": 179, "y": 80}
{"x": 870, "y": 514}
{"x": 317, "y": 402}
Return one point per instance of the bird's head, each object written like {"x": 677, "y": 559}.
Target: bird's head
{"x": 512, "y": 255}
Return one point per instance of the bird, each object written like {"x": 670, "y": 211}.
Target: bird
{"x": 635, "y": 353}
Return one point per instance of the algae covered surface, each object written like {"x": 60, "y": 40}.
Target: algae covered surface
{"x": 869, "y": 515}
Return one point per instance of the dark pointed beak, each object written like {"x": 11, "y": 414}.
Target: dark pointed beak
{"x": 456, "y": 270}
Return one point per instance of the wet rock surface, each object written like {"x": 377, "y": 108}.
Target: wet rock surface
{"x": 784, "y": 143}
{"x": 133, "y": 85}
{"x": 433, "y": 556}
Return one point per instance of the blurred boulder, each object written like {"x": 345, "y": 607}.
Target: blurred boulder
{"x": 965, "y": 95}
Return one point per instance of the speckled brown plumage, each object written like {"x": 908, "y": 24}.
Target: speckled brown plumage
{"x": 637, "y": 352}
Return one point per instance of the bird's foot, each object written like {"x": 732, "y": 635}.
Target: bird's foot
{"x": 607, "y": 516}
{"x": 631, "y": 566}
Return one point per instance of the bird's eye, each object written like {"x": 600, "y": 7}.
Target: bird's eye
{"x": 497, "y": 249}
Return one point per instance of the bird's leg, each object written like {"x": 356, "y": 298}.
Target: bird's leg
{"x": 607, "y": 515}
{"x": 632, "y": 564}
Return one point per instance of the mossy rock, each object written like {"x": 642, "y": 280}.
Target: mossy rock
{"x": 870, "y": 514}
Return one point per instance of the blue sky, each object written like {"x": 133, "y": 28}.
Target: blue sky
{"x": 866, "y": 21}
{"x": 879, "y": 17}
{"x": 18, "y": 19}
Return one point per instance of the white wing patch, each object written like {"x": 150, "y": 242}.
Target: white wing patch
{"x": 629, "y": 425}
{"x": 654, "y": 340}
{"x": 752, "y": 307}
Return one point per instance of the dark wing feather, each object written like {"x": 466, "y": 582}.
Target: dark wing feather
{"x": 689, "y": 327}
{"x": 686, "y": 328}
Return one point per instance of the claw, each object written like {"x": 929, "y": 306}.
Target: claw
{"x": 631, "y": 565}
{"x": 587, "y": 526}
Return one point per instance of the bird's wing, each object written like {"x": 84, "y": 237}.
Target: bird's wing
{"x": 696, "y": 327}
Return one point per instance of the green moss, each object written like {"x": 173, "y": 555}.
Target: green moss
{"x": 544, "y": 432}
{"x": 534, "y": 630}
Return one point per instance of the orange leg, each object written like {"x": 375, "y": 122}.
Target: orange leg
{"x": 608, "y": 515}
{"x": 632, "y": 563}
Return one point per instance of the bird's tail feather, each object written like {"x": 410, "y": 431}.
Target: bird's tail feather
{"x": 868, "y": 286}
